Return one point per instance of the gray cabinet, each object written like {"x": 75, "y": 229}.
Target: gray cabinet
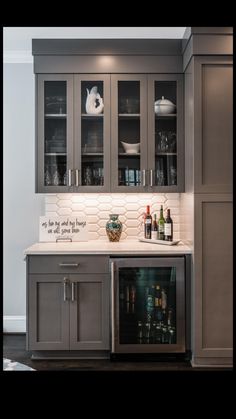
{"x": 73, "y": 146}
{"x": 48, "y": 312}
{"x": 129, "y": 133}
{"x": 208, "y": 181}
{"x": 54, "y": 132}
{"x": 89, "y": 312}
{"x": 92, "y": 134}
{"x": 124, "y": 147}
{"x": 147, "y": 145}
{"x": 166, "y": 134}
{"x": 67, "y": 303}
{"x": 213, "y": 273}
{"x": 213, "y": 124}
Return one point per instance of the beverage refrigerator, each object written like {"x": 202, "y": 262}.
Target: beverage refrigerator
{"x": 148, "y": 305}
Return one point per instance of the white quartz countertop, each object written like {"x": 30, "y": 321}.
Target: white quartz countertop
{"x": 100, "y": 247}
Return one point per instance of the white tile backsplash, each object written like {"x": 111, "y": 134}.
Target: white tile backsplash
{"x": 97, "y": 208}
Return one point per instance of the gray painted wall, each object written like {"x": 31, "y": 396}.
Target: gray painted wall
{"x": 21, "y": 205}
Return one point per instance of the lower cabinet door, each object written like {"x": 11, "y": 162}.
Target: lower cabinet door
{"x": 213, "y": 285}
{"x": 89, "y": 312}
{"x": 48, "y": 312}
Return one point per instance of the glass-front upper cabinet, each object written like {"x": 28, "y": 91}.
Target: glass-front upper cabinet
{"x": 165, "y": 132}
{"x": 55, "y": 133}
{"x": 110, "y": 133}
{"x": 92, "y": 132}
{"x": 128, "y": 133}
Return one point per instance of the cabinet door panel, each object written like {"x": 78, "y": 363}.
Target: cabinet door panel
{"x": 54, "y": 132}
{"x": 89, "y": 327}
{"x": 129, "y": 133}
{"x": 165, "y": 133}
{"x": 213, "y": 124}
{"x": 89, "y": 312}
{"x": 48, "y": 313}
{"x": 92, "y": 132}
{"x": 213, "y": 275}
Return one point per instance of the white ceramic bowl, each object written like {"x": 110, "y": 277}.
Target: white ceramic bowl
{"x": 131, "y": 148}
{"x": 164, "y": 106}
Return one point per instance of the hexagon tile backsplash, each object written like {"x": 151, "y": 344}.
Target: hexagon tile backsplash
{"x": 130, "y": 207}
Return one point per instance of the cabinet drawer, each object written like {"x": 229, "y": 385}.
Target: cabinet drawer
{"x": 68, "y": 264}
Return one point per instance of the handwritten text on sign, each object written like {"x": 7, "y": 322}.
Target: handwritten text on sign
{"x": 61, "y": 228}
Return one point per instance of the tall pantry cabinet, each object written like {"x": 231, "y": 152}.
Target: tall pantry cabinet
{"x": 208, "y": 73}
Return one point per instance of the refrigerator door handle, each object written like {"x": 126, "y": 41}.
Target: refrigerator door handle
{"x": 112, "y": 306}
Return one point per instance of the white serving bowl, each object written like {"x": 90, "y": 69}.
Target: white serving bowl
{"x": 131, "y": 148}
{"x": 164, "y": 106}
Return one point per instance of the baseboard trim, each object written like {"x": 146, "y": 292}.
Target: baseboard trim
{"x": 14, "y": 324}
{"x": 198, "y": 365}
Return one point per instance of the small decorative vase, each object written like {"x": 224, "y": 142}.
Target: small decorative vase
{"x": 114, "y": 228}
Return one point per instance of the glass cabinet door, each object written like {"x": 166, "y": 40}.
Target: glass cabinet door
{"x": 165, "y": 148}
{"x": 55, "y": 137}
{"x": 92, "y": 133}
{"x": 150, "y": 313}
{"x": 129, "y": 132}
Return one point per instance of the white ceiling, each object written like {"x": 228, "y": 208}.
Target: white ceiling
{"x": 19, "y": 38}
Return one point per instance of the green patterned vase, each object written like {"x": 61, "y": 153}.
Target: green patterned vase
{"x": 114, "y": 228}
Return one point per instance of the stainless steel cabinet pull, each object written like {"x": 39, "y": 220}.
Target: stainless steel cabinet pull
{"x": 72, "y": 291}
{"x": 70, "y": 177}
{"x": 76, "y": 177}
{"x": 69, "y": 265}
{"x": 151, "y": 177}
{"x": 144, "y": 177}
{"x": 65, "y": 282}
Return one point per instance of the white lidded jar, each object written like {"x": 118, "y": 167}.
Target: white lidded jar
{"x": 164, "y": 106}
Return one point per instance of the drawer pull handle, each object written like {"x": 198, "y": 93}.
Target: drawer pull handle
{"x": 69, "y": 265}
{"x": 144, "y": 177}
{"x": 70, "y": 171}
{"x": 151, "y": 177}
{"x": 76, "y": 177}
{"x": 72, "y": 291}
{"x": 65, "y": 282}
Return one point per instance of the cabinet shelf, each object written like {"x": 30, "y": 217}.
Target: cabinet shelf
{"x": 55, "y": 154}
{"x": 56, "y": 164}
{"x": 166, "y": 116}
{"x": 166, "y": 154}
{"x": 92, "y": 154}
{"x": 128, "y": 115}
{"x": 55, "y": 115}
{"x": 129, "y": 154}
{"x": 87, "y": 116}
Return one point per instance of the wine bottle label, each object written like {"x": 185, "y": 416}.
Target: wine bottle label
{"x": 167, "y": 229}
{"x": 148, "y": 221}
{"x": 163, "y": 300}
{"x": 161, "y": 228}
{"x": 155, "y": 235}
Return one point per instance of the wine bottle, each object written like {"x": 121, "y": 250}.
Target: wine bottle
{"x": 163, "y": 299}
{"x": 155, "y": 228}
{"x": 148, "y": 224}
{"x": 161, "y": 223}
{"x": 158, "y": 314}
{"x": 168, "y": 227}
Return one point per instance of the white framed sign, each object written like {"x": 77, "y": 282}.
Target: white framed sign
{"x": 52, "y": 229}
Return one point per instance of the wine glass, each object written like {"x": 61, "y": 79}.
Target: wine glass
{"x": 61, "y": 102}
